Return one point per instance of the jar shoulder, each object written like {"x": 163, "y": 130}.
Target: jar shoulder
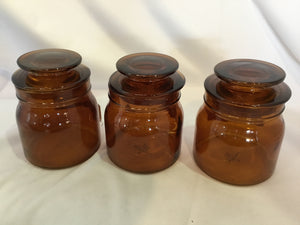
{"x": 62, "y": 115}
{"x": 133, "y": 120}
{"x": 210, "y": 123}
{"x": 113, "y": 109}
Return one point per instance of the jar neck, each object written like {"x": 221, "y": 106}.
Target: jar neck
{"x": 242, "y": 112}
{"x": 52, "y": 80}
{"x": 250, "y": 95}
{"x": 145, "y": 86}
{"x": 48, "y": 88}
{"x": 54, "y": 98}
{"x": 144, "y": 103}
{"x": 160, "y": 91}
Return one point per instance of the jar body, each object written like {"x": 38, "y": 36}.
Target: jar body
{"x": 240, "y": 151}
{"x": 143, "y": 139}
{"x": 60, "y": 134}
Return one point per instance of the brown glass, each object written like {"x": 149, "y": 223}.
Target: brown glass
{"x": 239, "y": 128}
{"x": 143, "y": 118}
{"x": 57, "y": 115}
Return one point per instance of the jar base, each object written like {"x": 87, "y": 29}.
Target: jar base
{"x": 144, "y": 171}
{"x": 63, "y": 166}
{"x": 230, "y": 181}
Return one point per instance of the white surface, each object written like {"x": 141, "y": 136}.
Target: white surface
{"x": 198, "y": 34}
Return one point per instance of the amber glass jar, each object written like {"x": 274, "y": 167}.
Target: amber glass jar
{"x": 143, "y": 118}
{"x": 57, "y": 115}
{"x": 239, "y": 129}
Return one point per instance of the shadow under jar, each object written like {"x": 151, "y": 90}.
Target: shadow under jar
{"x": 143, "y": 118}
{"x": 239, "y": 128}
{"x": 57, "y": 115}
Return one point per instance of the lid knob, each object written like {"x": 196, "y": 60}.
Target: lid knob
{"x": 147, "y": 65}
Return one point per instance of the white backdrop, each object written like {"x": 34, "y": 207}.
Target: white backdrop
{"x": 199, "y": 34}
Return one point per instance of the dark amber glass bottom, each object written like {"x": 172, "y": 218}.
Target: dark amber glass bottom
{"x": 232, "y": 180}
{"x": 144, "y": 166}
{"x": 69, "y": 163}
{"x": 60, "y": 150}
{"x": 143, "y": 142}
{"x": 59, "y": 137}
{"x": 236, "y": 151}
